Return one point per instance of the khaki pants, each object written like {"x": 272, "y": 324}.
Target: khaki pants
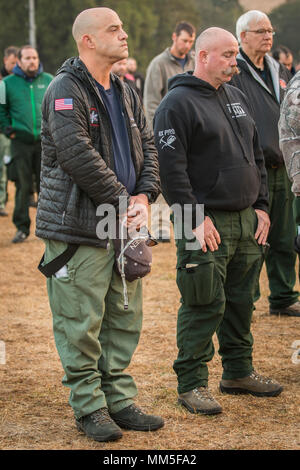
{"x": 160, "y": 218}
{"x": 95, "y": 337}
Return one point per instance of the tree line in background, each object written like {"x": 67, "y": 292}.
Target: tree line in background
{"x": 149, "y": 24}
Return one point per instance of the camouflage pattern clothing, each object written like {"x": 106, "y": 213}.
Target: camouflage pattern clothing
{"x": 289, "y": 132}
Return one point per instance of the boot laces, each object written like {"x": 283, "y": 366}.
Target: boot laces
{"x": 136, "y": 409}
{"x": 101, "y": 416}
{"x": 203, "y": 393}
{"x": 260, "y": 378}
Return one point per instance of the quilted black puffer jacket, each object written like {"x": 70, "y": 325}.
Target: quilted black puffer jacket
{"x": 77, "y": 158}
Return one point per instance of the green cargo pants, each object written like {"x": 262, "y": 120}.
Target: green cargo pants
{"x": 217, "y": 290}
{"x": 95, "y": 337}
{"x": 296, "y": 210}
{"x": 26, "y": 162}
{"x": 281, "y": 258}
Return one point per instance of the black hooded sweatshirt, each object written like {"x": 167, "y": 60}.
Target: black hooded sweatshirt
{"x": 208, "y": 147}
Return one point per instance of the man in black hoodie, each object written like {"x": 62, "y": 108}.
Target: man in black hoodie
{"x": 263, "y": 80}
{"x": 214, "y": 158}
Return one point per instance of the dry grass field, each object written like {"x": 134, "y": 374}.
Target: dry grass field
{"x": 34, "y": 413}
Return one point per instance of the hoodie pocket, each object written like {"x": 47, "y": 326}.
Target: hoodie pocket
{"x": 235, "y": 189}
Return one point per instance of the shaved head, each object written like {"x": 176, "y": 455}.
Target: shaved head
{"x": 215, "y": 56}
{"x": 101, "y": 41}
{"x": 89, "y": 21}
{"x": 212, "y": 38}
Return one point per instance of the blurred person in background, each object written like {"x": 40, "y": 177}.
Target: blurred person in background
{"x": 9, "y": 62}
{"x": 120, "y": 69}
{"x": 264, "y": 80}
{"x": 284, "y": 56}
{"x": 133, "y": 74}
{"x": 20, "y": 120}
{"x": 173, "y": 60}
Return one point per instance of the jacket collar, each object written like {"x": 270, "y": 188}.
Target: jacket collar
{"x": 18, "y": 71}
{"x": 79, "y": 69}
{"x": 172, "y": 58}
{"x": 274, "y": 71}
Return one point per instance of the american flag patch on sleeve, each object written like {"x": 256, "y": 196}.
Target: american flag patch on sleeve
{"x": 64, "y": 103}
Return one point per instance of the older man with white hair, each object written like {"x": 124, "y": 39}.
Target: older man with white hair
{"x": 264, "y": 81}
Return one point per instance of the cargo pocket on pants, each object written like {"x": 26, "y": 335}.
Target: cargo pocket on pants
{"x": 198, "y": 283}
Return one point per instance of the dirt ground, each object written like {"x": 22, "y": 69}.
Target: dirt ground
{"x": 34, "y": 410}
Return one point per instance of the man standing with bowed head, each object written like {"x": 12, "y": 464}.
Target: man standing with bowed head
{"x": 215, "y": 159}
{"x": 97, "y": 148}
{"x": 263, "y": 80}
{"x": 172, "y": 61}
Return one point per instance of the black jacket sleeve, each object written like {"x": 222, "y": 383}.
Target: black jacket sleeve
{"x": 148, "y": 181}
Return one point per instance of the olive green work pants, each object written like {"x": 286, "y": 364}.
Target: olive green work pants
{"x": 217, "y": 290}
{"x": 281, "y": 257}
{"x": 94, "y": 335}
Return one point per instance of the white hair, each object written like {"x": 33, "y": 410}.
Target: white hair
{"x": 244, "y": 21}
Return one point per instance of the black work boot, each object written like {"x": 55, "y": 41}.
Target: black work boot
{"x": 99, "y": 426}
{"x": 20, "y": 237}
{"x": 132, "y": 417}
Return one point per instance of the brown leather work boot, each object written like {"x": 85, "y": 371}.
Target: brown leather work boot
{"x": 201, "y": 401}
{"x": 291, "y": 311}
{"x": 254, "y": 384}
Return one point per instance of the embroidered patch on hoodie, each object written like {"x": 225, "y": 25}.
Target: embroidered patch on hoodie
{"x": 167, "y": 138}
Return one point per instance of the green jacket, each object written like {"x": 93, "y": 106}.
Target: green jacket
{"x": 20, "y": 106}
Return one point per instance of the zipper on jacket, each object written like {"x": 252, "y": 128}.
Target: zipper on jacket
{"x": 66, "y": 204}
{"x": 110, "y": 162}
{"x": 129, "y": 131}
{"x": 34, "y": 121}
